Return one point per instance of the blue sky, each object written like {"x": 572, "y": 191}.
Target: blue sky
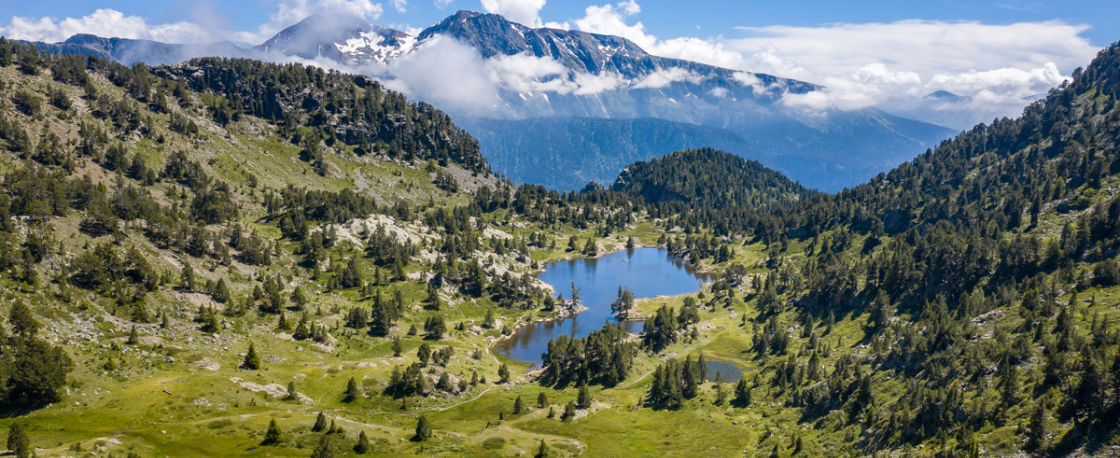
{"x": 888, "y": 54}
{"x": 662, "y": 17}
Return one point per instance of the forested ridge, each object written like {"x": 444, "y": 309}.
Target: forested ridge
{"x": 978, "y": 269}
{"x": 291, "y": 261}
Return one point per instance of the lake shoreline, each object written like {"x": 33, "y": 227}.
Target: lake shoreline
{"x": 647, "y": 270}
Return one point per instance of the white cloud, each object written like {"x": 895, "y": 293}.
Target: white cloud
{"x": 526, "y": 73}
{"x": 105, "y": 23}
{"x": 894, "y": 65}
{"x": 1013, "y": 81}
{"x": 591, "y": 84}
{"x": 526, "y": 12}
{"x": 441, "y": 4}
{"x": 699, "y": 50}
{"x": 925, "y": 47}
{"x": 446, "y": 73}
{"x": 666, "y": 76}
{"x": 890, "y": 65}
{"x": 113, "y": 23}
{"x": 400, "y": 5}
{"x": 611, "y": 20}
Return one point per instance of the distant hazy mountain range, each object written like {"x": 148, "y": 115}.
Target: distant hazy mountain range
{"x": 559, "y": 133}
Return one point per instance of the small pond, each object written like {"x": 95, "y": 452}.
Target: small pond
{"x": 648, "y": 272}
{"x": 727, "y": 372}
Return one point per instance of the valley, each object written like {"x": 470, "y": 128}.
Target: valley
{"x": 230, "y": 257}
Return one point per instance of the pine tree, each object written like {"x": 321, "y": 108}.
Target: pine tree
{"x": 503, "y": 373}
{"x": 133, "y": 336}
{"x": 323, "y": 449}
{"x": 362, "y": 447}
{"x": 397, "y": 348}
{"x": 583, "y": 400}
{"x": 1036, "y": 430}
{"x": 292, "y": 394}
{"x": 542, "y": 450}
{"x": 352, "y": 392}
{"x": 423, "y": 429}
{"x": 569, "y": 412}
{"x": 517, "y": 406}
{"x": 1008, "y": 382}
{"x": 252, "y": 359}
{"x": 320, "y": 423}
{"x": 742, "y": 394}
{"x": 18, "y": 442}
{"x": 186, "y": 278}
{"x": 702, "y": 366}
{"x": 542, "y": 400}
{"x": 221, "y": 292}
{"x": 273, "y": 436}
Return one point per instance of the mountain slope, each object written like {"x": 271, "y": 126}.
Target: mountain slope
{"x": 129, "y": 51}
{"x": 987, "y": 270}
{"x": 568, "y": 153}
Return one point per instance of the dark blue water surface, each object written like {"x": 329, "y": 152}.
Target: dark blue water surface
{"x": 648, "y": 272}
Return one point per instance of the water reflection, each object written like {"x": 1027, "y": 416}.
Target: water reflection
{"x": 648, "y": 272}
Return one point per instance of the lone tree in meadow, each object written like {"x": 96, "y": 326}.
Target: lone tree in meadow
{"x": 18, "y": 442}
{"x": 542, "y": 451}
{"x": 423, "y": 430}
{"x": 352, "y": 391}
{"x": 273, "y": 436}
{"x": 742, "y": 394}
{"x": 362, "y": 447}
{"x": 320, "y": 423}
{"x": 503, "y": 373}
{"x": 252, "y": 359}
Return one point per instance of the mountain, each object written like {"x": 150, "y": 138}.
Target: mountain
{"x": 341, "y": 38}
{"x": 129, "y": 51}
{"x": 585, "y": 149}
{"x": 947, "y": 96}
{"x": 827, "y": 152}
{"x": 602, "y": 80}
